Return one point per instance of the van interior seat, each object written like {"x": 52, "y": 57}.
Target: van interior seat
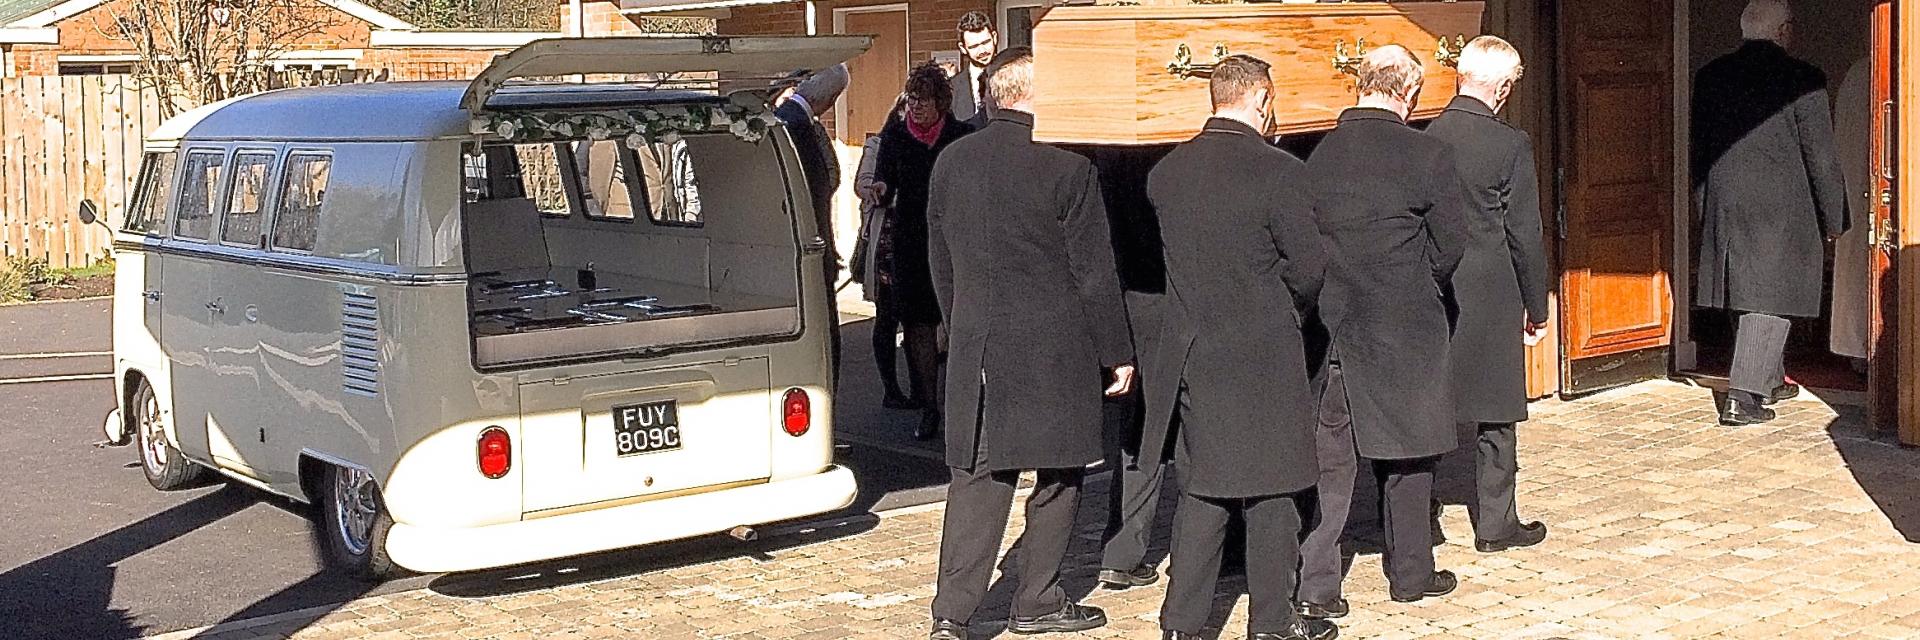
{"x": 505, "y": 235}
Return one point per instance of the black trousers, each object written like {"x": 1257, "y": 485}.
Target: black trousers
{"x": 1496, "y": 465}
{"x": 1406, "y": 498}
{"x": 978, "y": 504}
{"x": 1273, "y": 552}
{"x": 1134, "y": 498}
{"x": 1758, "y": 348}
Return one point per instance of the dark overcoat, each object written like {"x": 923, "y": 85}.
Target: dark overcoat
{"x": 1390, "y": 200}
{"x": 906, "y": 167}
{"x": 822, "y": 168}
{"x": 1025, "y": 274}
{"x": 1502, "y": 280}
{"x": 1766, "y": 183}
{"x": 1244, "y": 263}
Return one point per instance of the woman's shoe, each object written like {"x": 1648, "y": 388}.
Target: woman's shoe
{"x": 929, "y": 426}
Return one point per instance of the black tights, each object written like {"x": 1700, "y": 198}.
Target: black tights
{"x": 923, "y": 364}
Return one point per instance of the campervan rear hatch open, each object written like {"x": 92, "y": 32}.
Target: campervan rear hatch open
{"x": 608, "y": 220}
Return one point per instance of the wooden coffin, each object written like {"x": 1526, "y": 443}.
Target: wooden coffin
{"x": 1113, "y": 74}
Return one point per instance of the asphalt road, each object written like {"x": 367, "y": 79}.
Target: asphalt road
{"x": 91, "y": 551}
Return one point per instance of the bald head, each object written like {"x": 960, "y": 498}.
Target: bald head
{"x": 1390, "y": 72}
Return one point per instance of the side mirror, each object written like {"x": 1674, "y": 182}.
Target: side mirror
{"x": 89, "y": 213}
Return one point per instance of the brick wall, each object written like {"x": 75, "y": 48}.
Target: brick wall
{"x": 782, "y": 19}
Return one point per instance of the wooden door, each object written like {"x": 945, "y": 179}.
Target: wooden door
{"x": 1883, "y": 277}
{"x": 1615, "y": 83}
{"x": 1904, "y": 157}
{"x": 877, "y": 76}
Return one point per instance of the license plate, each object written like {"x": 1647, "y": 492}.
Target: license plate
{"x": 646, "y": 428}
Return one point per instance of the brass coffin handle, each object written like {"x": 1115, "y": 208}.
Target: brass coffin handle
{"x": 1184, "y": 67}
{"x": 1348, "y": 62}
{"x": 1448, "y": 53}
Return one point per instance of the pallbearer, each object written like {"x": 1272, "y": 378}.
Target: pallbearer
{"x": 1391, "y": 201}
{"x": 1501, "y": 287}
{"x": 1244, "y": 261}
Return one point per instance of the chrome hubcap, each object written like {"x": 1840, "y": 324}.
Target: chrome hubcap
{"x": 153, "y": 435}
{"x": 355, "y": 501}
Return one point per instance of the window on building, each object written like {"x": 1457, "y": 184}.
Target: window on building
{"x": 95, "y": 68}
{"x": 1016, "y": 22}
{"x": 302, "y": 191}
{"x": 247, "y": 198}
{"x": 151, "y": 196}
{"x": 200, "y": 190}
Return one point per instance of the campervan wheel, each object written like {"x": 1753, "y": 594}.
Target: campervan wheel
{"x": 357, "y": 524}
{"x": 166, "y": 468}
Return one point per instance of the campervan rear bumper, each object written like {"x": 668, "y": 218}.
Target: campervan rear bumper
{"x": 435, "y": 550}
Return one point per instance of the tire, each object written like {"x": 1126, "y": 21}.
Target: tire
{"x": 355, "y": 524}
{"x": 165, "y": 467}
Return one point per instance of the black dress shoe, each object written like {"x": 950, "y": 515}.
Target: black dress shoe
{"x": 1786, "y": 391}
{"x": 1069, "y": 619}
{"x": 1442, "y": 583}
{"x": 1740, "y": 413}
{"x": 1316, "y": 611}
{"x": 929, "y": 426}
{"x": 1170, "y": 634}
{"x": 1302, "y": 630}
{"x": 947, "y": 630}
{"x": 1140, "y": 576}
{"x": 1530, "y": 534}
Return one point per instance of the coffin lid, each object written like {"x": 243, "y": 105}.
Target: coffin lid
{"x": 634, "y": 55}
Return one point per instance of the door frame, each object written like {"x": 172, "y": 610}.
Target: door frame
{"x": 840, "y": 28}
{"x": 1906, "y": 92}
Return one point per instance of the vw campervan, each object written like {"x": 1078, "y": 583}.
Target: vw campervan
{"x": 480, "y": 324}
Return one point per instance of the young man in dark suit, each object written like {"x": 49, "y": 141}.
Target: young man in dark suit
{"x": 1391, "y": 202}
{"x": 1244, "y": 263}
{"x": 978, "y": 43}
{"x": 1500, "y": 289}
{"x": 1025, "y": 278}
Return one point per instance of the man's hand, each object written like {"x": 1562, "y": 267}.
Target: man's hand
{"x": 1122, "y": 381}
{"x": 1533, "y": 332}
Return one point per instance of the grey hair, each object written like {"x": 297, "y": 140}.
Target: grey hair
{"x": 823, "y": 86}
{"x": 1488, "y": 61}
{"x": 1012, "y": 82}
{"x": 1390, "y": 71}
{"x": 1763, "y": 19}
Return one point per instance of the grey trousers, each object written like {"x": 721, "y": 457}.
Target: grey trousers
{"x": 1273, "y": 552}
{"x": 1758, "y": 348}
{"x": 1496, "y": 465}
{"x": 978, "y": 504}
{"x": 1321, "y": 562}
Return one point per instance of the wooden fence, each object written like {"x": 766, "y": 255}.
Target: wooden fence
{"x": 68, "y": 138}
{"x": 64, "y": 139}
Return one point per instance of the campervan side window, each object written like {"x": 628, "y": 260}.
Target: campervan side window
{"x": 155, "y": 191}
{"x": 200, "y": 189}
{"x": 302, "y": 190}
{"x": 529, "y": 171}
{"x": 246, "y": 198}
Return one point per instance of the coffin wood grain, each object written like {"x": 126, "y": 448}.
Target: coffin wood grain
{"x": 1101, "y": 71}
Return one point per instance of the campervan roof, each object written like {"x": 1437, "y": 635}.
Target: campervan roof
{"x": 391, "y": 110}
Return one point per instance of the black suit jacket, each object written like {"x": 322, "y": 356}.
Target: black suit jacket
{"x": 1768, "y": 185}
{"x": 1244, "y": 262}
{"x": 822, "y": 168}
{"x": 1503, "y": 274}
{"x": 966, "y": 96}
{"x": 1390, "y": 200}
{"x": 1024, "y": 273}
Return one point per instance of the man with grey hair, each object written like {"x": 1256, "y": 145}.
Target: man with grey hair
{"x": 1390, "y": 200}
{"x": 1768, "y": 189}
{"x": 1025, "y": 278}
{"x": 1500, "y": 289}
{"x": 800, "y": 113}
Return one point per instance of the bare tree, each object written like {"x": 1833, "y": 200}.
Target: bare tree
{"x": 194, "y": 52}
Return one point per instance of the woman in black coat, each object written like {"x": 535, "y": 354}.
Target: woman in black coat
{"x": 908, "y": 148}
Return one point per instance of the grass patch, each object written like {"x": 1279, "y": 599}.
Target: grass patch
{"x": 24, "y": 279}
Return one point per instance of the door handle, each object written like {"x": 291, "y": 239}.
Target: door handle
{"x": 214, "y": 307}
{"x": 152, "y": 295}
{"x": 815, "y": 246}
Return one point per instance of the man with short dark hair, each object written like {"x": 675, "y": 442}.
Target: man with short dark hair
{"x": 1390, "y": 200}
{"x": 978, "y": 43}
{"x": 1244, "y": 262}
{"x": 1025, "y": 278}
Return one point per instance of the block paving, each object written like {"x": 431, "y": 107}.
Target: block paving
{"x": 1663, "y": 524}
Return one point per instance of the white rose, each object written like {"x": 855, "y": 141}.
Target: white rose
{"x": 505, "y": 128}
{"x": 636, "y": 141}
{"x": 599, "y": 133}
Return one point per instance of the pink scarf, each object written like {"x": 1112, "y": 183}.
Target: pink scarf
{"x": 928, "y": 135}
